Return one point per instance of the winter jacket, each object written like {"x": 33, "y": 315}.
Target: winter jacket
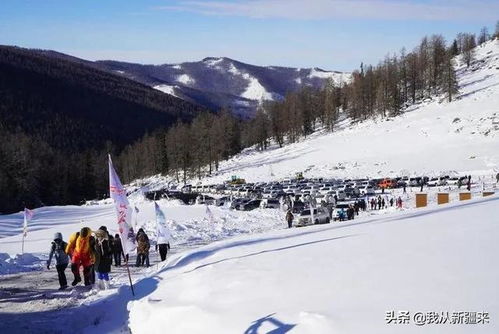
{"x": 289, "y": 216}
{"x": 82, "y": 253}
{"x": 103, "y": 252}
{"x": 117, "y": 246}
{"x": 70, "y": 247}
{"x": 58, "y": 248}
{"x": 143, "y": 244}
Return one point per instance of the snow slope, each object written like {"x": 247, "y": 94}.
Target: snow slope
{"x": 190, "y": 225}
{"x": 338, "y": 278}
{"x": 430, "y": 138}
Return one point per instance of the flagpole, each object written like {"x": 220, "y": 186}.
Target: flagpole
{"x": 128, "y": 270}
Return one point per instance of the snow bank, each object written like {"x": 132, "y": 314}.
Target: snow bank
{"x": 191, "y": 224}
{"x": 20, "y": 263}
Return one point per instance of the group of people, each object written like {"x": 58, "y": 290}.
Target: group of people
{"x": 95, "y": 251}
{"x": 92, "y": 251}
{"x": 378, "y": 203}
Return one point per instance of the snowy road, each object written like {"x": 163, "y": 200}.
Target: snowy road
{"x": 31, "y": 303}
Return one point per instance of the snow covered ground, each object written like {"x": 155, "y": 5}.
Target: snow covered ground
{"x": 242, "y": 271}
{"x": 338, "y": 278}
{"x": 431, "y": 138}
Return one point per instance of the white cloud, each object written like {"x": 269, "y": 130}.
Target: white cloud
{"x": 478, "y": 10}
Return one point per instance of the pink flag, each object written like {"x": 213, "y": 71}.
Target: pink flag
{"x": 123, "y": 209}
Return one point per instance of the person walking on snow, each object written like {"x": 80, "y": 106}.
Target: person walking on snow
{"x": 143, "y": 246}
{"x": 162, "y": 246}
{"x": 117, "y": 250}
{"x": 103, "y": 258}
{"x": 289, "y": 218}
{"x": 79, "y": 247}
{"x": 58, "y": 249}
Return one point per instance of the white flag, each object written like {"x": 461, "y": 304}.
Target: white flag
{"x": 162, "y": 231}
{"x": 28, "y": 215}
{"x": 210, "y": 214}
{"x": 123, "y": 209}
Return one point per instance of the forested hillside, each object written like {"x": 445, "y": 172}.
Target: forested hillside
{"x": 56, "y": 115}
{"x": 386, "y": 90}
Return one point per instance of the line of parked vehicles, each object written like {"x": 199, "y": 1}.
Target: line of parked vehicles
{"x": 331, "y": 195}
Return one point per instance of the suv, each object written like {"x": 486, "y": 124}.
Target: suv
{"x": 270, "y": 203}
{"x": 251, "y": 205}
{"x": 338, "y": 208}
{"x": 321, "y": 216}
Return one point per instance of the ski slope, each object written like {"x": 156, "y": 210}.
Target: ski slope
{"x": 338, "y": 278}
{"x": 431, "y": 138}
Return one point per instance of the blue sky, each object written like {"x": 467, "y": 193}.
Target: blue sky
{"x": 331, "y": 34}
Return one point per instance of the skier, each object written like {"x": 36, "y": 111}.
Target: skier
{"x": 117, "y": 250}
{"x": 469, "y": 183}
{"x": 103, "y": 258}
{"x": 289, "y": 218}
{"x": 404, "y": 186}
{"x": 58, "y": 248}
{"x": 383, "y": 203}
{"x": 497, "y": 178}
{"x": 80, "y": 248}
{"x": 391, "y": 201}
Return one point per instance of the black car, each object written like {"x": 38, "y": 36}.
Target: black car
{"x": 251, "y": 205}
{"x": 298, "y": 206}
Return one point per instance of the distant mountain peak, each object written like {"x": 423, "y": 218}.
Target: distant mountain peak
{"x": 222, "y": 82}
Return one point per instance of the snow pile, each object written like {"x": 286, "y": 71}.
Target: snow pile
{"x": 429, "y": 138}
{"x": 20, "y": 263}
{"x": 338, "y": 278}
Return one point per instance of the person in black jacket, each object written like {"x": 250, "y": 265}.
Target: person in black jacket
{"x": 103, "y": 257}
{"x": 117, "y": 250}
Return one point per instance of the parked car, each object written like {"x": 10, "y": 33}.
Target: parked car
{"x": 320, "y": 216}
{"x": 222, "y": 200}
{"x": 203, "y": 199}
{"x": 453, "y": 181}
{"x": 238, "y": 201}
{"x": 386, "y": 183}
{"x": 367, "y": 190}
{"x": 251, "y": 205}
{"x": 433, "y": 182}
{"x": 270, "y": 203}
{"x": 338, "y": 208}
{"x": 298, "y": 206}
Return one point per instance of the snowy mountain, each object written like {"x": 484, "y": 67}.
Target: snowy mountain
{"x": 433, "y": 137}
{"x": 224, "y": 82}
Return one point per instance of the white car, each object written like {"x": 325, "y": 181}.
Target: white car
{"x": 339, "y": 207}
{"x": 320, "y": 216}
{"x": 453, "y": 181}
{"x": 367, "y": 190}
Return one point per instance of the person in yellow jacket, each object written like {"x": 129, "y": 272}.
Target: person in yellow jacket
{"x": 80, "y": 249}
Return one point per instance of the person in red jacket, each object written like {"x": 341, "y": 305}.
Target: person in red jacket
{"x": 81, "y": 256}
